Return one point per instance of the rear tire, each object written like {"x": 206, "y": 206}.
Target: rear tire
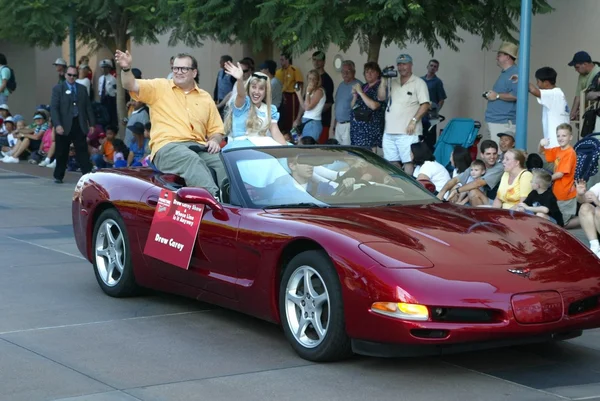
{"x": 311, "y": 308}
{"x": 112, "y": 256}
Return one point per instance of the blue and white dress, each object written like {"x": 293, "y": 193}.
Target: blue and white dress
{"x": 258, "y": 173}
{"x": 240, "y": 137}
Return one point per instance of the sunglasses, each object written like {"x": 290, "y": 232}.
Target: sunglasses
{"x": 259, "y": 76}
{"x": 245, "y": 71}
{"x": 72, "y": 75}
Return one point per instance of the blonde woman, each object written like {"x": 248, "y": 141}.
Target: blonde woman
{"x": 312, "y": 104}
{"x": 252, "y": 119}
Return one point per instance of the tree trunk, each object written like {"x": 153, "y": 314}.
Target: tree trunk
{"x": 121, "y": 104}
{"x": 375, "y": 41}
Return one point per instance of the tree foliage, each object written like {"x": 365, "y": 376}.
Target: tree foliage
{"x": 108, "y": 24}
{"x": 301, "y": 25}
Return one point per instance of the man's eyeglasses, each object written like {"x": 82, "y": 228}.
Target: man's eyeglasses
{"x": 72, "y": 75}
{"x": 182, "y": 69}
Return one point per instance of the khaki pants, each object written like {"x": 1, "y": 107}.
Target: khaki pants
{"x": 568, "y": 209}
{"x": 342, "y": 133}
{"x": 497, "y": 128}
{"x": 177, "y": 158}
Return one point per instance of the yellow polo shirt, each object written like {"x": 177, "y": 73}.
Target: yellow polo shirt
{"x": 177, "y": 116}
{"x": 288, "y": 78}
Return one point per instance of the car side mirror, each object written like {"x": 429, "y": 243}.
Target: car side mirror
{"x": 201, "y": 196}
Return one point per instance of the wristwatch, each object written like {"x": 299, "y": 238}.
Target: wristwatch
{"x": 126, "y": 69}
{"x": 497, "y": 96}
{"x": 414, "y": 120}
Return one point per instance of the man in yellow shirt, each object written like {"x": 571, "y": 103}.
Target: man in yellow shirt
{"x": 288, "y": 75}
{"x": 182, "y": 115}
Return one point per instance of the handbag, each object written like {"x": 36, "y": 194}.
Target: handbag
{"x": 363, "y": 114}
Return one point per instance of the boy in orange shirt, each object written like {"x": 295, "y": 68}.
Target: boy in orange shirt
{"x": 105, "y": 156}
{"x": 563, "y": 179}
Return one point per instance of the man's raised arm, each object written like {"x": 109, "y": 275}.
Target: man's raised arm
{"x": 128, "y": 81}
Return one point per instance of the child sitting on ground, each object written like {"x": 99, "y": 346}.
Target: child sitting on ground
{"x": 477, "y": 171}
{"x": 540, "y": 201}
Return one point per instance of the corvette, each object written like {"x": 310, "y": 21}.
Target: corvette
{"x": 347, "y": 253}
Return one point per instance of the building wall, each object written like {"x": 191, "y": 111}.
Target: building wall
{"x": 466, "y": 73}
{"x": 472, "y": 70}
{"x": 35, "y": 76}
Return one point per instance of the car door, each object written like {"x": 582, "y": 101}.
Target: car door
{"x": 212, "y": 265}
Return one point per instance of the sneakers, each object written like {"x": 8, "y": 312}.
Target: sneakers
{"x": 10, "y": 159}
{"x": 52, "y": 165}
{"x": 44, "y": 162}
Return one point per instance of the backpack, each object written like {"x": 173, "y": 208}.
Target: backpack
{"x": 588, "y": 155}
{"x": 11, "y": 84}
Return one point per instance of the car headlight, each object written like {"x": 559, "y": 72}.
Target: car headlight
{"x": 401, "y": 310}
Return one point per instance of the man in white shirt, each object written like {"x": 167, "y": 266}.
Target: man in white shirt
{"x": 407, "y": 103}
{"x": 555, "y": 109}
{"x": 107, "y": 90}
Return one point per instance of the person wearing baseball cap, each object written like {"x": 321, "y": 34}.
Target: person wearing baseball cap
{"x": 407, "y": 104}
{"x": 138, "y": 147}
{"x": 506, "y": 141}
{"x": 587, "y": 70}
{"x": 61, "y": 68}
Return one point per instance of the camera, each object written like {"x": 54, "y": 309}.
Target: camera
{"x": 297, "y": 86}
{"x": 389, "y": 72}
{"x": 485, "y": 94}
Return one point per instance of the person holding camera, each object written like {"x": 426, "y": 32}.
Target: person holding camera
{"x": 501, "y": 111}
{"x": 312, "y": 104}
{"x": 407, "y": 102}
{"x": 366, "y": 127}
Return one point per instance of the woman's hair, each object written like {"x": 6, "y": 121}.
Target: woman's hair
{"x": 307, "y": 140}
{"x": 462, "y": 158}
{"x": 317, "y": 75}
{"x": 253, "y": 123}
{"x": 519, "y": 156}
{"x": 421, "y": 153}
{"x": 534, "y": 161}
{"x": 373, "y": 66}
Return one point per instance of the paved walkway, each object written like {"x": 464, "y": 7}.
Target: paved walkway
{"x": 62, "y": 339}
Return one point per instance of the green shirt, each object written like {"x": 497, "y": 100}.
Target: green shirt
{"x": 584, "y": 81}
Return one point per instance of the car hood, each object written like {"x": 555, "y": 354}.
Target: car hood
{"x": 453, "y": 235}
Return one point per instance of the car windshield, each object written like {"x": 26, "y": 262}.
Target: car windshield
{"x": 321, "y": 176}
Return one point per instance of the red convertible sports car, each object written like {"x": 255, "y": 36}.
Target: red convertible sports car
{"x": 347, "y": 253}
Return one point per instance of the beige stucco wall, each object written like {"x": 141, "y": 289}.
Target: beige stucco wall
{"x": 472, "y": 70}
{"x": 35, "y": 76}
{"x": 466, "y": 74}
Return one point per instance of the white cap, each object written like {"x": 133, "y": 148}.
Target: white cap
{"x": 4, "y": 107}
{"x": 106, "y": 63}
{"x": 9, "y": 120}
{"x": 60, "y": 61}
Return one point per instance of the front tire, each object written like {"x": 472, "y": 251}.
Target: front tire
{"x": 112, "y": 255}
{"x": 311, "y": 308}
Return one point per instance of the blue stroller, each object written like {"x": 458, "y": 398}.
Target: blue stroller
{"x": 459, "y": 131}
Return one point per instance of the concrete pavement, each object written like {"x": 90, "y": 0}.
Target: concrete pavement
{"x": 61, "y": 338}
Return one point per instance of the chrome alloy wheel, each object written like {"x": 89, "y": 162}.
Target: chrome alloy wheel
{"x": 110, "y": 252}
{"x": 307, "y": 306}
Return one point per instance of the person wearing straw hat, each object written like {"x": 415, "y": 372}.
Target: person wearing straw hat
{"x": 501, "y": 111}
